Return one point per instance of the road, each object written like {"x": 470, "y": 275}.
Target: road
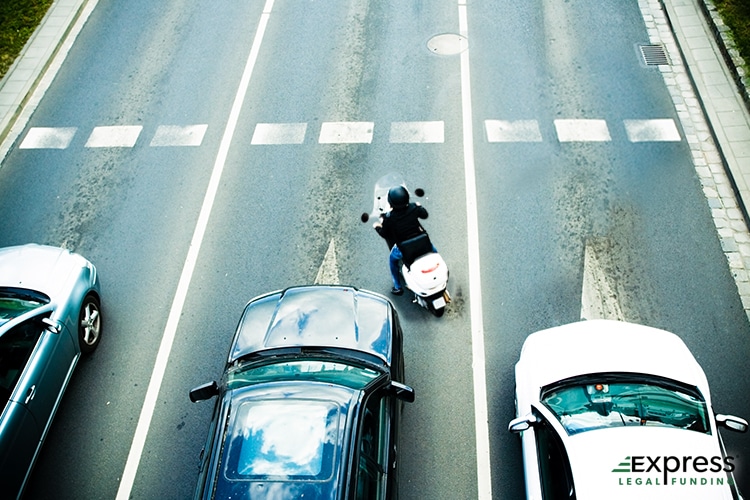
{"x": 201, "y": 153}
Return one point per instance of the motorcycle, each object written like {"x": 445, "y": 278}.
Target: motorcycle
{"x": 424, "y": 271}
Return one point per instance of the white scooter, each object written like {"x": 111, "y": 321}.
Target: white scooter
{"x": 424, "y": 271}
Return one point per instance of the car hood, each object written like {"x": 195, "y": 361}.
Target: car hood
{"x": 614, "y": 463}
{"x": 317, "y": 316}
{"x": 41, "y": 268}
{"x": 604, "y": 346}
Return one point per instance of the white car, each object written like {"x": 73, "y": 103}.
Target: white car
{"x": 609, "y": 409}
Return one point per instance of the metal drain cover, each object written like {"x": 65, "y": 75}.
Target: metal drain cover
{"x": 654, "y": 55}
{"x": 447, "y": 44}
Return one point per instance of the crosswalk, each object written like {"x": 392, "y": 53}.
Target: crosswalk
{"x": 359, "y": 132}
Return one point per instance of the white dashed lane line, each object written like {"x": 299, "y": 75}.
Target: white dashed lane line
{"x": 424, "y": 132}
{"x": 279, "y": 133}
{"x": 512, "y": 131}
{"x": 173, "y": 135}
{"x": 123, "y": 136}
{"x": 582, "y": 131}
{"x": 652, "y": 130}
{"x": 48, "y": 138}
{"x": 346, "y": 133}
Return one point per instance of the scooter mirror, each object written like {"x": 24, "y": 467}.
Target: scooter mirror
{"x": 419, "y": 192}
{"x": 365, "y": 217}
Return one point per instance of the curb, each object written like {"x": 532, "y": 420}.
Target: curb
{"x": 31, "y": 64}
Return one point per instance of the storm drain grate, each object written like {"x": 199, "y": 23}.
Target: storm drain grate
{"x": 654, "y": 55}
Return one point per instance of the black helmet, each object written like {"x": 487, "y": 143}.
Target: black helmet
{"x": 398, "y": 197}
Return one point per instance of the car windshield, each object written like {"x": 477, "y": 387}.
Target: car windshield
{"x": 589, "y": 404}
{"x": 14, "y": 303}
{"x": 354, "y": 377}
{"x": 286, "y": 439}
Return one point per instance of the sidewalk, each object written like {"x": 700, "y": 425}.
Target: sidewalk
{"x": 27, "y": 72}
{"x": 715, "y": 100}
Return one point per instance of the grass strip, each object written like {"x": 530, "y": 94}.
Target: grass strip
{"x": 18, "y": 20}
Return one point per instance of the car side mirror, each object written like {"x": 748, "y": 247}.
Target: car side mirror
{"x": 732, "y": 423}
{"x": 402, "y": 391}
{"x": 52, "y": 326}
{"x": 205, "y": 391}
{"x": 521, "y": 424}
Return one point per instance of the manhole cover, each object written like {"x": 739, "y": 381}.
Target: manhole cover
{"x": 447, "y": 44}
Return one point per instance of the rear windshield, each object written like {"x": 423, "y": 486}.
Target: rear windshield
{"x": 286, "y": 439}
{"x": 596, "y": 404}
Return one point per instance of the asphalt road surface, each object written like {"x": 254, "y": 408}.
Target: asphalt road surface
{"x": 201, "y": 153}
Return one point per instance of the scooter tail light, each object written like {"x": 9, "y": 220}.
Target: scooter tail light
{"x": 430, "y": 269}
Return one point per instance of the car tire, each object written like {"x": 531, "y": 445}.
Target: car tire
{"x": 89, "y": 324}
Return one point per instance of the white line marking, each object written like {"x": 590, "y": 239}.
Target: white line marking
{"x": 512, "y": 131}
{"x": 484, "y": 476}
{"x": 160, "y": 366}
{"x": 119, "y": 136}
{"x": 599, "y": 294}
{"x": 346, "y": 133}
{"x": 582, "y": 131}
{"x": 652, "y": 130}
{"x": 175, "y": 135}
{"x": 279, "y": 133}
{"x": 417, "y": 132}
{"x": 328, "y": 273}
{"x": 48, "y": 138}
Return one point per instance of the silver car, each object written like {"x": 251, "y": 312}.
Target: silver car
{"x": 50, "y": 314}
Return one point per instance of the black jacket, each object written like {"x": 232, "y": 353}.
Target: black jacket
{"x": 401, "y": 224}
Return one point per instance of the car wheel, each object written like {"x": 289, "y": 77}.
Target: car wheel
{"x": 89, "y": 324}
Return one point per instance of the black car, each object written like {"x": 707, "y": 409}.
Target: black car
{"x": 310, "y": 400}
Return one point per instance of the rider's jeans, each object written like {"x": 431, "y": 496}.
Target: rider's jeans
{"x": 394, "y": 263}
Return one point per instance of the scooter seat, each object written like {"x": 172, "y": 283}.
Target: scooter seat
{"x": 414, "y": 248}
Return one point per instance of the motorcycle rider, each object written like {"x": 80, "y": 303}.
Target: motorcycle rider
{"x": 398, "y": 225}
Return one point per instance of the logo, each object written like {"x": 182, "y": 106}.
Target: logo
{"x": 643, "y": 470}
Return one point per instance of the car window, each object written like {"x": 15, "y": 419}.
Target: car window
{"x": 286, "y": 439}
{"x": 16, "y": 346}
{"x": 14, "y": 303}
{"x": 589, "y": 405}
{"x": 554, "y": 467}
{"x": 354, "y": 377}
{"x": 373, "y": 449}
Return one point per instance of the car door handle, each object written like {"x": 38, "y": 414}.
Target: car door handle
{"x": 30, "y": 394}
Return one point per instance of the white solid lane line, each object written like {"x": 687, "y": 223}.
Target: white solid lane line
{"x": 484, "y": 477}
{"x": 144, "y": 422}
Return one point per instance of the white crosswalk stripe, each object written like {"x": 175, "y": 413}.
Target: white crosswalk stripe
{"x": 119, "y": 136}
{"x": 279, "y": 133}
{"x": 179, "y": 135}
{"x": 48, "y": 138}
{"x": 417, "y": 132}
{"x": 426, "y": 132}
{"x": 346, "y": 132}
{"x": 652, "y": 130}
{"x": 512, "y": 131}
{"x": 582, "y": 131}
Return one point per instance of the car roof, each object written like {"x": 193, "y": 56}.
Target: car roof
{"x": 605, "y": 346}
{"x": 285, "y": 440}
{"x": 317, "y": 316}
{"x": 602, "y": 463}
